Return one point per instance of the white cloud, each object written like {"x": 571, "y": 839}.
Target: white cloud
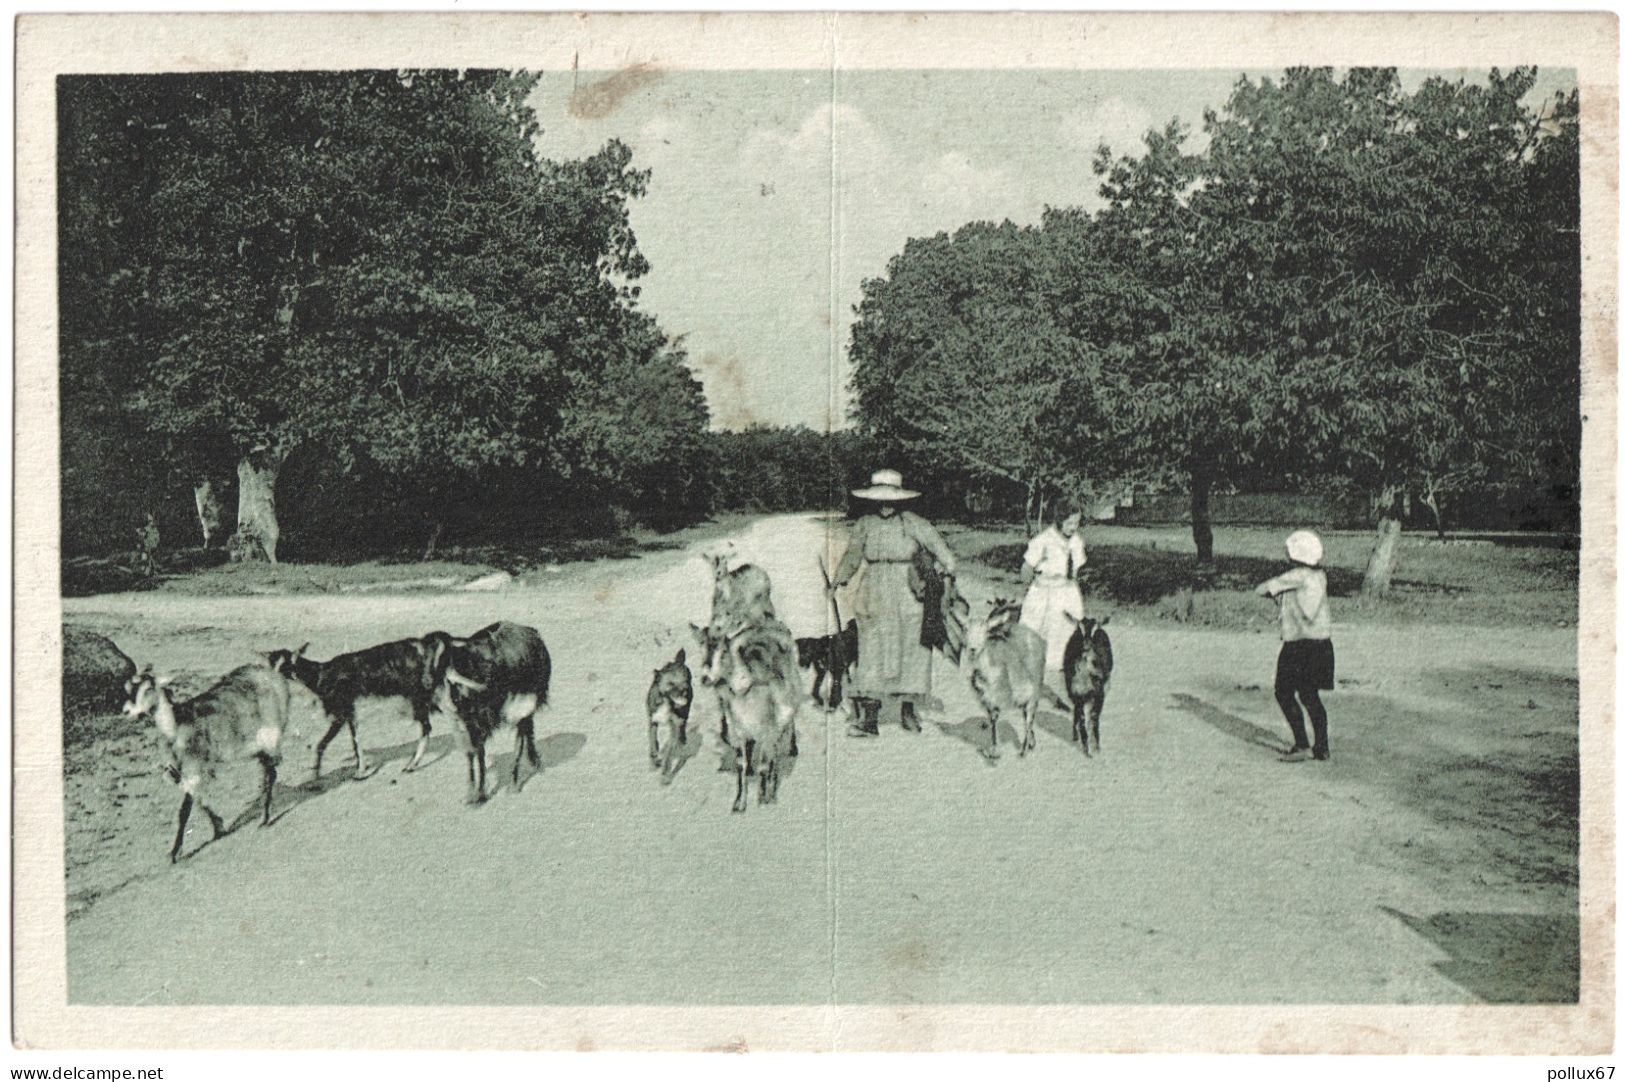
{"x": 1119, "y": 124}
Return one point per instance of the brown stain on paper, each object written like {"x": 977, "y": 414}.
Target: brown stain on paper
{"x": 595, "y": 101}
{"x": 724, "y": 379}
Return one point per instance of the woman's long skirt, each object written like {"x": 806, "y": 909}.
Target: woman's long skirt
{"x": 1046, "y": 610}
{"x": 891, "y": 660}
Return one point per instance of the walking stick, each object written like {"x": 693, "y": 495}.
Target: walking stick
{"x": 829, "y": 585}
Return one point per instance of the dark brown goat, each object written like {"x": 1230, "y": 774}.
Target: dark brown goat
{"x": 499, "y": 675}
{"x": 409, "y": 669}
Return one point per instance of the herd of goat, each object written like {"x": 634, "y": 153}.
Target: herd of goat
{"x": 500, "y": 675}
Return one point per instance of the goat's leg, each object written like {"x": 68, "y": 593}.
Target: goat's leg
{"x": 420, "y": 714}
{"x": 739, "y": 780}
{"x": 518, "y": 752}
{"x": 473, "y": 785}
{"x": 669, "y": 758}
{"x": 834, "y": 701}
{"x": 525, "y": 748}
{"x": 355, "y": 742}
{"x": 654, "y": 743}
{"x": 818, "y": 682}
{"x": 217, "y": 824}
{"x": 268, "y": 768}
{"x": 333, "y": 727}
{"x": 1096, "y": 705}
{"x": 180, "y": 826}
{"x": 1029, "y": 718}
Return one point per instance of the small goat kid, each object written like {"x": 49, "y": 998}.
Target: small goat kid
{"x": 1007, "y": 670}
{"x": 829, "y": 656}
{"x": 1087, "y": 666}
{"x": 497, "y": 676}
{"x": 408, "y": 669}
{"x": 671, "y": 694}
{"x": 239, "y": 718}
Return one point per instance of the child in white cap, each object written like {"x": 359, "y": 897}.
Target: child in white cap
{"x": 1306, "y": 666}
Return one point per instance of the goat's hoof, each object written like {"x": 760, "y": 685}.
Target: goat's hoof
{"x": 739, "y": 806}
{"x": 474, "y": 800}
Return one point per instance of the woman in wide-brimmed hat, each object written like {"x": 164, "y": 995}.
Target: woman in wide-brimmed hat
{"x": 892, "y": 663}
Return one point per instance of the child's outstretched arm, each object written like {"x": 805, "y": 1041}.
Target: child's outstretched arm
{"x": 1280, "y": 584}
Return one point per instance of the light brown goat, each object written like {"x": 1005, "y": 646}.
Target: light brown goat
{"x": 1007, "y": 670}
{"x": 239, "y": 718}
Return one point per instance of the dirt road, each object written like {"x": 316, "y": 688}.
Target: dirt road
{"x": 1433, "y": 860}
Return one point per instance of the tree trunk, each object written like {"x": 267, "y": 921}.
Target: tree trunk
{"x": 257, "y": 529}
{"x": 1430, "y": 500}
{"x": 1027, "y": 509}
{"x": 1201, "y": 516}
{"x": 208, "y": 510}
{"x": 436, "y": 528}
{"x": 1379, "y": 570}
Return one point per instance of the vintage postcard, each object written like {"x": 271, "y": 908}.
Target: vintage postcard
{"x": 816, "y": 532}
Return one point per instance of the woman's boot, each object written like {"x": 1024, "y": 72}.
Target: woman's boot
{"x": 868, "y": 723}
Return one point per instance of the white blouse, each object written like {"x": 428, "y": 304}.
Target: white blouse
{"x": 1047, "y": 554}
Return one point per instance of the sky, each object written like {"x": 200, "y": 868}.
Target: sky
{"x": 774, "y": 194}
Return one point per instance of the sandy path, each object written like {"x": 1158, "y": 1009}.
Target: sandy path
{"x": 1185, "y": 866}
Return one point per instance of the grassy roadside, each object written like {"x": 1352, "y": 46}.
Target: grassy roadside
{"x": 1502, "y": 581}
{"x": 454, "y": 567}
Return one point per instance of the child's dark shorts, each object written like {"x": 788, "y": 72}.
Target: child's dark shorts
{"x": 1306, "y": 665}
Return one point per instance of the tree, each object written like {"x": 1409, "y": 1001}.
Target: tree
{"x": 958, "y": 362}
{"x": 1399, "y": 275}
{"x": 378, "y": 266}
{"x": 1197, "y": 397}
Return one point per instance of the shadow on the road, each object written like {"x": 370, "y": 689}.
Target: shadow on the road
{"x": 553, "y": 750}
{"x": 1059, "y": 726}
{"x": 558, "y": 748}
{"x": 973, "y": 731}
{"x": 1505, "y": 957}
{"x": 1229, "y": 724}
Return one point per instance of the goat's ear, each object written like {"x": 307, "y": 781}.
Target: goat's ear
{"x": 299, "y": 653}
{"x": 162, "y": 681}
{"x": 682, "y": 656}
{"x": 699, "y": 632}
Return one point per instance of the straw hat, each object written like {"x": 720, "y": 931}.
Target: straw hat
{"x": 885, "y": 486}
{"x": 1304, "y": 547}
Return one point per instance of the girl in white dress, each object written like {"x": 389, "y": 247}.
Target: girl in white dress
{"x": 1050, "y": 569}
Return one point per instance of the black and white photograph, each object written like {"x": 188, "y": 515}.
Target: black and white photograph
{"x": 816, "y": 532}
